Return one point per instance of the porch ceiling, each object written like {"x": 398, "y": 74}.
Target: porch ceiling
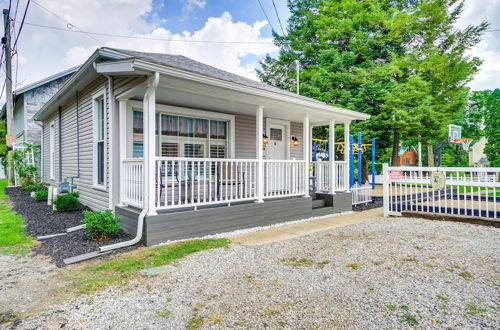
{"x": 182, "y": 92}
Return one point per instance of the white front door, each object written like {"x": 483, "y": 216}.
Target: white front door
{"x": 277, "y": 142}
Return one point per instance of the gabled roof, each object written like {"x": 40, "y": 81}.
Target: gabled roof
{"x": 134, "y": 62}
{"x": 18, "y": 92}
{"x": 403, "y": 150}
{"x": 46, "y": 80}
{"x": 186, "y": 64}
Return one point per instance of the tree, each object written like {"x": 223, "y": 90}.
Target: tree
{"x": 401, "y": 61}
{"x": 483, "y": 119}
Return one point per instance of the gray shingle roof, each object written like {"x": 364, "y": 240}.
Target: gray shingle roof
{"x": 187, "y": 64}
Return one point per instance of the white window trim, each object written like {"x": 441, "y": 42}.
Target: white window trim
{"x": 287, "y": 135}
{"x": 184, "y": 112}
{"x": 95, "y": 124}
{"x": 52, "y": 150}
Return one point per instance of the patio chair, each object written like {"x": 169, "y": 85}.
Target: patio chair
{"x": 230, "y": 180}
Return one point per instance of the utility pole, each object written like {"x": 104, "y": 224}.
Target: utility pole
{"x": 10, "y": 138}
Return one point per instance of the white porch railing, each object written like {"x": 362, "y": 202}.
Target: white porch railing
{"x": 284, "y": 178}
{"x": 361, "y": 194}
{"x": 183, "y": 182}
{"x": 193, "y": 182}
{"x": 132, "y": 188}
{"x": 321, "y": 171}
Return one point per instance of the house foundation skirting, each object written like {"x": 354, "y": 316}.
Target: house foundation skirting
{"x": 209, "y": 221}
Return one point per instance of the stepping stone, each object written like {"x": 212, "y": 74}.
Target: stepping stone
{"x": 158, "y": 270}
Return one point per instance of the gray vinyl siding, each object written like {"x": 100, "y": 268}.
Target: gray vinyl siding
{"x": 96, "y": 199}
{"x": 297, "y": 152}
{"x": 122, "y": 84}
{"x": 245, "y": 138}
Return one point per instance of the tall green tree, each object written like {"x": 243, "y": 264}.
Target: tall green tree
{"x": 401, "y": 61}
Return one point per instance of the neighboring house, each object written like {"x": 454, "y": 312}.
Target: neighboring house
{"x": 28, "y": 100}
{"x": 407, "y": 157}
{"x": 477, "y": 157}
{"x": 194, "y": 149}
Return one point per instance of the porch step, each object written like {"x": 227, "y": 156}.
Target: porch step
{"x": 317, "y": 203}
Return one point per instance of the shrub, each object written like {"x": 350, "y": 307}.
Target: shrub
{"x": 101, "y": 225}
{"x": 41, "y": 195}
{"x": 74, "y": 194}
{"x": 66, "y": 202}
{"x": 35, "y": 187}
{"x": 26, "y": 182}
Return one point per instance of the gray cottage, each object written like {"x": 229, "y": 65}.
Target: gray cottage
{"x": 180, "y": 149}
{"x": 28, "y": 100}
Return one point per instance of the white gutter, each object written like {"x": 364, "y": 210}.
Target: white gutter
{"x": 152, "y": 84}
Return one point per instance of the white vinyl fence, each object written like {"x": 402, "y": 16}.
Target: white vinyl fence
{"x": 361, "y": 194}
{"x": 472, "y": 191}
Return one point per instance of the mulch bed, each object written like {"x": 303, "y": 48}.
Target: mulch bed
{"x": 376, "y": 202}
{"x": 41, "y": 220}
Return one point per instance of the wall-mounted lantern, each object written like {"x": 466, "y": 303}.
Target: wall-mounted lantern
{"x": 265, "y": 140}
{"x": 295, "y": 141}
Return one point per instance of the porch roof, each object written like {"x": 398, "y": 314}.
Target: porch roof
{"x": 185, "y": 74}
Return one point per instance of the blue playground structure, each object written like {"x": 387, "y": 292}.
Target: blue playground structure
{"x": 358, "y": 148}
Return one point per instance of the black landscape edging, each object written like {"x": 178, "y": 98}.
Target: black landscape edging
{"x": 41, "y": 220}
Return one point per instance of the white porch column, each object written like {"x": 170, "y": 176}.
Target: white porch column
{"x": 122, "y": 134}
{"x": 307, "y": 152}
{"x": 331, "y": 150}
{"x": 259, "y": 152}
{"x": 347, "y": 147}
{"x": 149, "y": 108}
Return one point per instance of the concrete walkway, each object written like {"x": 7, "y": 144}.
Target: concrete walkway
{"x": 299, "y": 229}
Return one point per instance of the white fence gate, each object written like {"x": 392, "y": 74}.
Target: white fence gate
{"x": 472, "y": 191}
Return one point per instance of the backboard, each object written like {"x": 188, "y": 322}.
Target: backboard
{"x": 454, "y": 132}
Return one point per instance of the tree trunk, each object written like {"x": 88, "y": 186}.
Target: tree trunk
{"x": 395, "y": 149}
{"x": 430, "y": 155}
{"x": 364, "y": 170}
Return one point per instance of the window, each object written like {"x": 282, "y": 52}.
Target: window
{"x": 182, "y": 136}
{"x": 52, "y": 151}
{"x": 99, "y": 140}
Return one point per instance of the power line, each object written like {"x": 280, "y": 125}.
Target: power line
{"x": 70, "y": 25}
{"x": 265, "y": 14}
{"x": 278, "y": 16}
{"x": 147, "y": 38}
{"x": 22, "y": 24}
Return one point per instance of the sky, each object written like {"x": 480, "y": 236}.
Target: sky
{"x": 241, "y": 24}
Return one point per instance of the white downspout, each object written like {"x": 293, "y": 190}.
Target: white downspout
{"x": 150, "y": 91}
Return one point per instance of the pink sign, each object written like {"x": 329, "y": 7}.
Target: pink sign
{"x": 395, "y": 175}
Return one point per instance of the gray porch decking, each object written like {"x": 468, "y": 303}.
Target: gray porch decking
{"x": 183, "y": 224}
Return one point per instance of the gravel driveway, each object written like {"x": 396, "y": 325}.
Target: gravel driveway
{"x": 383, "y": 273}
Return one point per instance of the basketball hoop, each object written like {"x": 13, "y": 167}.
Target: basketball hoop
{"x": 464, "y": 142}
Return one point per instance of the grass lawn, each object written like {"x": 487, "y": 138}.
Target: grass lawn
{"x": 93, "y": 278}
{"x": 12, "y": 236}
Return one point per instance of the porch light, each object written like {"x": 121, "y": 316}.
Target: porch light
{"x": 265, "y": 139}
{"x": 295, "y": 141}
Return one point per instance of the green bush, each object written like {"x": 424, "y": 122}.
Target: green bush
{"x": 35, "y": 187}
{"x": 66, "y": 202}
{"x": 26, "y": 182}
{"x": 101, "y": 225}
{"x": 41, "y": 195}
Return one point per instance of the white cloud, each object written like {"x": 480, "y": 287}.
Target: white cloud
{"x": 488, "y": 50}
{"x": 190, "y": 5}
{"x": 45, "y": 51}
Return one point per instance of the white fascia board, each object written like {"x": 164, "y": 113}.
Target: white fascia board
{"x": 353, "y": 115}
{"x": 117, "y": 66}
